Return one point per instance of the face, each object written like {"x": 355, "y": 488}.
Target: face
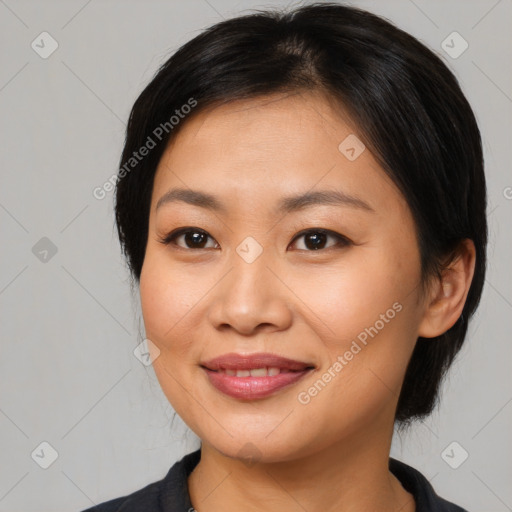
{"x": 332, "y": 285}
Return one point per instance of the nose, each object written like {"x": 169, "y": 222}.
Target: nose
{"x": 252, "y": 297}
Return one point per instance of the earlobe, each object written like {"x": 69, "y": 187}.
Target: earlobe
{"x": 448, "y": 294}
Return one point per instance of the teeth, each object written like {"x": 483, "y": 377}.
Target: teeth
{"x": 256, "y": 372}
{"x": 259, "y": 372}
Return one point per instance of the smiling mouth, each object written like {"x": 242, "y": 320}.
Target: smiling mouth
{"x": 255, "y": 362}
{"x": 255, "y": 376}
{"x": 258, "y": 372}
{"x": 254, "y": 384}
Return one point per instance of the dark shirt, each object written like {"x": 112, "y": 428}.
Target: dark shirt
{"x": 171, "y": 493}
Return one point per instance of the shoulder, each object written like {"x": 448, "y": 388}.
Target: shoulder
{"x": 168, "y": 494}
{"x": 144, "y": 499}
{"x": 414, "y": 482}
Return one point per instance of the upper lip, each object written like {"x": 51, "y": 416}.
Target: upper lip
{"x": 235, "y": 361}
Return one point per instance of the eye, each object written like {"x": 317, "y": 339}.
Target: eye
{"x": 194, "y": 238}
{"x": 315, "y": 239}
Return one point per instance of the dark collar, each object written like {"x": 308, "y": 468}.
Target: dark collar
{"x": 171, "y": 493}
{"x": 411, "y": 479}
{"x": 424, "y": 495}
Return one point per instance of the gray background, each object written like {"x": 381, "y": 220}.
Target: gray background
{"x": 69, "y": 324}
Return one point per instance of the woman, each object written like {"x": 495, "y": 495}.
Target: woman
{"x": 301, "y": 200}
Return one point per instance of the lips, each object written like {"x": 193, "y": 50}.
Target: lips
{"x": 254, "y": 376}
{"x": 252, "y": 361}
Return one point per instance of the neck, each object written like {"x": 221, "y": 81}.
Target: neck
{"x": 350, "y": 476}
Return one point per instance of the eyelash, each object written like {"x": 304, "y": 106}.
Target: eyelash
{"x": 343, "y": 241}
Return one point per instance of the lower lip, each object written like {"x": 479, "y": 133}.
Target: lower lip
{"x": 252, "y": 388}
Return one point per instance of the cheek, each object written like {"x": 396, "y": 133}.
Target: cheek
{"x": 355, "y": 295}
{"x": 369, "y": 309}
{"x": 166, "y": 297}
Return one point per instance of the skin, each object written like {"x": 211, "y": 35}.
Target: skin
{"x": 276, "y": 453}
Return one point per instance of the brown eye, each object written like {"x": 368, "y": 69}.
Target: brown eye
{"x": 193, "y": 238}
{"x": 317, "y": 239}
{"x": 314, "y": 239}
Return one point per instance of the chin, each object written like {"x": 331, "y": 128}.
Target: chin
{"x": 250, "y": 453}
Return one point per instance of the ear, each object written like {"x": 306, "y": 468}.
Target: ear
{"x": 447, "y": 295}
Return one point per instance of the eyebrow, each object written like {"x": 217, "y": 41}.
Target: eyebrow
{"x": 285, "y": 205}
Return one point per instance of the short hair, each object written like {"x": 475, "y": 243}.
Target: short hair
{"x": 408, "y": 108}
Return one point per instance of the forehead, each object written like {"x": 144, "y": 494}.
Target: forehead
{"x": 295, "y": 126}
{"x": 253, "y": 150}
